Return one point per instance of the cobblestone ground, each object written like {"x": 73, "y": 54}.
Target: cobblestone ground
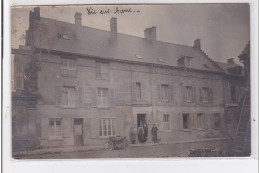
{"x": 160, "y": 150}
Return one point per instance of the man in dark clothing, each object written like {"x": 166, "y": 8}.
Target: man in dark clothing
{"x": 154, "y": 133}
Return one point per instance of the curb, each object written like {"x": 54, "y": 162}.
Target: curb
{"x": 84, "y": 149}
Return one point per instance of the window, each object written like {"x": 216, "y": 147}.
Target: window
{"x": 165, "y": 92}
{"x": 186, "y": 121}
{"x": 233, "y": 93}
{"x": 166, "y": 122}
{"x": 66, "y": 96}
{"x": 187, "y": 61}
{"x": 200, "y": 121}
{"x": 205, "y": 94}
{"x": 138, "y": 90}
{"x": 19, "y": 76}
{"x": 217, "y": 121}
{"x": 102, "y": 97}
{"x": 184, "y": 61}
{"x": 55, "y": 128}
{"x": 68, "y": 67}
{"x": 102, "y": 70}
{"x": 188, "y": 94}
{"x": 107, "y": 127}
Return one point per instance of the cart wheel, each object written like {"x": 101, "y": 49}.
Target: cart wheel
{"x": 108, "y": 146}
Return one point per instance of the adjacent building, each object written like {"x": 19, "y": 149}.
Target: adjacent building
{"x": 76, "y": 85}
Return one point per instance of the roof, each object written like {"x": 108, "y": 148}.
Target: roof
{"x": 227, "y": 66}
{"x": 70, "y": 38}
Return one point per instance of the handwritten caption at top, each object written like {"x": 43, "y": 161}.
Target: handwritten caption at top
{"x": 92, "y": 11}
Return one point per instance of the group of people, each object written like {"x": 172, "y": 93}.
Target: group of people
{"x": 142, "y": 133}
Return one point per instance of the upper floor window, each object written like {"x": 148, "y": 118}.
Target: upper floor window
{"x": 102, "y": 97}
{"x": 205, "y": 94}
{"x": 165, "y": 92}
{"x": 68, "y": 67}
{"x": 188, "y": 94}
{"x": 19, "y": 73}
{"x": 102, "y": 70}
{"x": 138, "y": 90}
{"x": 66, "y": 96}
{"x": 55, "y": 129}
{"x": 166, "y": 122}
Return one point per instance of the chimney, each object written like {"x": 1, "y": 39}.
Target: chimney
{"x": 37, "y": 12}
{"x": 150, "y": 34}
{"x": 113, "y": 28}
{"x": 197, "y": 44}
{"x": 230, "y": 61}
{"x": 147, "y": 33}
{"x": 77, "y": 17}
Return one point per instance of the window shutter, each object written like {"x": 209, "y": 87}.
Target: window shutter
{"x": 183, "y": 93}
{"x": 206, "y": 121}
{"x": 80, "y": 97}
{"x": 44, "y": 128}
{"x": 112, "y": 97}
{"x": 93, "y": 97}
{"x": 133, "y": 91}
{"x": 58, "y": 95}
{"x": 194, "y": 94}
{"x": 210, "y": 95}
{"x": 159, "y": 92}
{"x": 171, "y": 95}
{"x": 143, "y": 96}
{"x": 200, "y": 94}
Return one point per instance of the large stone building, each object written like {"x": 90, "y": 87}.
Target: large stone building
{"x": 76, "y": 85}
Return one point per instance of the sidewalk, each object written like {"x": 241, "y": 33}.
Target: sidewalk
{"x": 95, "y": 148}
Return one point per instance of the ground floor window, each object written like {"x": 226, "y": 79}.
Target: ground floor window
{"x": 217, "y": 121}
{"x": 55, "y": 128}
{"x": 200, "y": 121}
{"x": 186, "y": 121}
{"x": 166, "y": 122}
{"x": 107, "y": 127}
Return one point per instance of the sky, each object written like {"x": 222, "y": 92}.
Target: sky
{"x": 224, "y": 29}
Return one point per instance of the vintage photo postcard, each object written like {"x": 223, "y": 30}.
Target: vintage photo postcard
{"x": 130, "y": 81}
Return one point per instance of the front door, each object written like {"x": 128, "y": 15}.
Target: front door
{"x": 78, "y": 132}
{"x": 140, "y": 120}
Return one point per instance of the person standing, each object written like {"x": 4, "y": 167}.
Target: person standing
{"x": 154, "y": 133}
{"x": 132, "y": 135}
{"x": 145, "y": 131}
{"x": 140, "y": 134}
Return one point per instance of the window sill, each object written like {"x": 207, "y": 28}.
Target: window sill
{"x": 102, "y": 107}
{"x": 200, "y": 129}
{"x": 167, "y": 131}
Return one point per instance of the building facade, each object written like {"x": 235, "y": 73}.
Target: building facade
{"x": 76, "y": 85}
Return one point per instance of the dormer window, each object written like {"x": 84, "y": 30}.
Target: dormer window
{"x": 185, "y": 61}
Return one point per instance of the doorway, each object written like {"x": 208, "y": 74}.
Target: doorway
{"x": 78, "y": 131}
{"x": 141, "y": 119}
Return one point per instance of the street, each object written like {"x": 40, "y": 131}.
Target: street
{"x": 159, "y": 150}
